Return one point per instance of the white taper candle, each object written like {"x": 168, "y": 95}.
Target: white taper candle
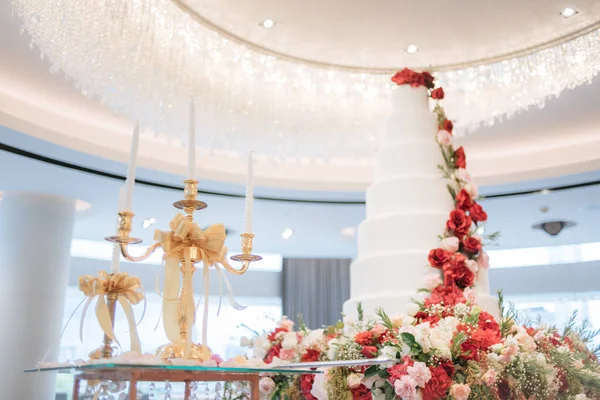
{"x": 116, "y": 255}
{"x": 249, "y": 192}
{"x": 130, "y": 181}
{"x": 192, "y": 142}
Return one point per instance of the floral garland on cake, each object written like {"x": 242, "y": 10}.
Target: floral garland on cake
{"x": 446, "y": 347}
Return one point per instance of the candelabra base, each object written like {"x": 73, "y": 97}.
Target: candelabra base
{"x": 194, "y": 351}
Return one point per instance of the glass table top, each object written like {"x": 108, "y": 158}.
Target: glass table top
{"x": 74, "y": 369}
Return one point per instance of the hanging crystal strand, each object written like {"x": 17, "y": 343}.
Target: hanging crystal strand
{"x": 206, "y": 391}
{"x": 218, "y": 387}
{"x": 151, "y": 389}
{"x": 168, "y": 388}
{"x": 193, "y": 390}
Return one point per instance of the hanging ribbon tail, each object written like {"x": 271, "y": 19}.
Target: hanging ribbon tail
{"x": 189, "y": 300}
{"x": 220, "y": 290}
{"x": 143, "y": 310}
{"x": 230, "y": 295}
{"x": 206, "y": 273}
{"x": 85, "y": 308}
{"x": 133, "y": 333}
{"x": 171, "y": 294}
{"x": 103, "y": 316}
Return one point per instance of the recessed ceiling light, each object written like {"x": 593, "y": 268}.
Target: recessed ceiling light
{"x": 268, "y": 23}
{"x": 287, "y": 233}
{"x": 412, "y": 49}
{"x": 545, "y": 192}
{"x": 148, "y": 222}
{"x": 349, "y": 231}
{"x": 568, "y": 12}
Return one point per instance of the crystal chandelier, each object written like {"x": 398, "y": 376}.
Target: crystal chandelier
{"x": 146, "y": 58}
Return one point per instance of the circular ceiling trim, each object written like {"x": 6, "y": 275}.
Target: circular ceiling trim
{"x": 207, "y": 23}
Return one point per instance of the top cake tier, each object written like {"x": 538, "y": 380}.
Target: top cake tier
{"x": 411, "y": 117}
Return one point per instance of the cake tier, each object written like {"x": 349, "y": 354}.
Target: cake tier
{"x": 411, "y": 231}
{"x": 398, "y": 271}
{"x": 409, "y": 157}
{"x": 405, "y": 125}
{"x": 408, "y": 98}
{"x": 423, "y": 195}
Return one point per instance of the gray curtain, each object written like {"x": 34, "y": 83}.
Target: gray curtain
{"x": 316, "y": 289}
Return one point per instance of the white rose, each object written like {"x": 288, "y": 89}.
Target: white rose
{"x": 354, "y": 380}
{"x": 290, "y": 341}
{"x": 432, "y": 281}
{"x": 581, "y": 396}
{"x": 462, "y": 175}
{"x": 412, "y": 309}
{"x": 472, "y": 265}
{"x": 472, "y": 189}
{"x": 245, "y": 342}
{"x": 389, "y": 352}
{"x": 319, "y": 388}
{"x": 444, "y": 138}
{"x": 314, "y": 338}
{"x": 266, "y": 386}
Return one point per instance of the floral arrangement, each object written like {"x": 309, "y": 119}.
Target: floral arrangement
{"x": 445, "y": 347}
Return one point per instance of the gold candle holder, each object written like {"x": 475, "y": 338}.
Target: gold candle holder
{"x": 188, "y": 253}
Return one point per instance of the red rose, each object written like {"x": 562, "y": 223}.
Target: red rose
{"x": 472, "y": 245}
{"x": 428, "y": 80}
{"x": 306, "y": 384}
{"x": 404, "y": 77}
{"x": 369, "y": 351}
{"x": 438, "y": 385}
{"x": 470, "y": 350}
{"x": 458, "y": 273}
{"x": 459, "y": 223}
{"x": 484, "y": 338}
{"x": 273, "y": 352}
{"x": 460, "y": 160}
{"x": 463, "y": 200}
{"x": 438, "y": 94}
{"x": 438, "y": 257}
{"x": 310, "y": 355}
{"x": 364, "y": 338}
{"x": 361, "y": 393}
{"x": 397, "y": 371}
{"x": 487, "y": 321}
{"x": 450, "y": 295}
{"x": 423, "y": 317}
{"x": 477, "y": 214}
{"x": 447, "y": 125}
{"x": 272, "y": 336}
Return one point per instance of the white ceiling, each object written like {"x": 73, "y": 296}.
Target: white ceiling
{"x": 374, "y": 33}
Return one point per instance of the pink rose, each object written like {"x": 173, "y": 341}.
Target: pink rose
{"x": 450, "y": 244}
{"x": 462, "y": 175}
{"x": 378, "y": 330}
{"x": 287, "y": 354}
{"x": 471, "y": 295}
{"x": 444, "y": 138}
{"x": 460, "y": 392}
{"x": 286, "y": 323}
{"x": 483, "y": 260}
{"x": 472, "y": 265}
{"x": 266, "y": 386}
{"x": 419, "y": 373}
{"x": 489, "y": 377}
{"x": 216, "y": 358}
{"x": 406, "y": 388}
{"x": 432, "y": 281}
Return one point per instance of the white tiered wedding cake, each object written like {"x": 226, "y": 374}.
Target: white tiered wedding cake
{"x": 407, "y": 209}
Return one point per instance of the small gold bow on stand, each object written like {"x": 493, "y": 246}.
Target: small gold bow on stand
{"x": 110, "y": 289}
{"x": 185, "y": 244}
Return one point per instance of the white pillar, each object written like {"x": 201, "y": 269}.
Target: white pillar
{"x": 35, "y": 242}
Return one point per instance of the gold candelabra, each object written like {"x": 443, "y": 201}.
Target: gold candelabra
{"x": 190, "y": 251}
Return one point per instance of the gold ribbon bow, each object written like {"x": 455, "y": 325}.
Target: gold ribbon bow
{"x": 211, "y": 245}
{"x": 125, "y": 289}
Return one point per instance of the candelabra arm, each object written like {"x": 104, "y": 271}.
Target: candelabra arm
{"x": 246, "y": 257}
{"x": 145, "y": 255}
